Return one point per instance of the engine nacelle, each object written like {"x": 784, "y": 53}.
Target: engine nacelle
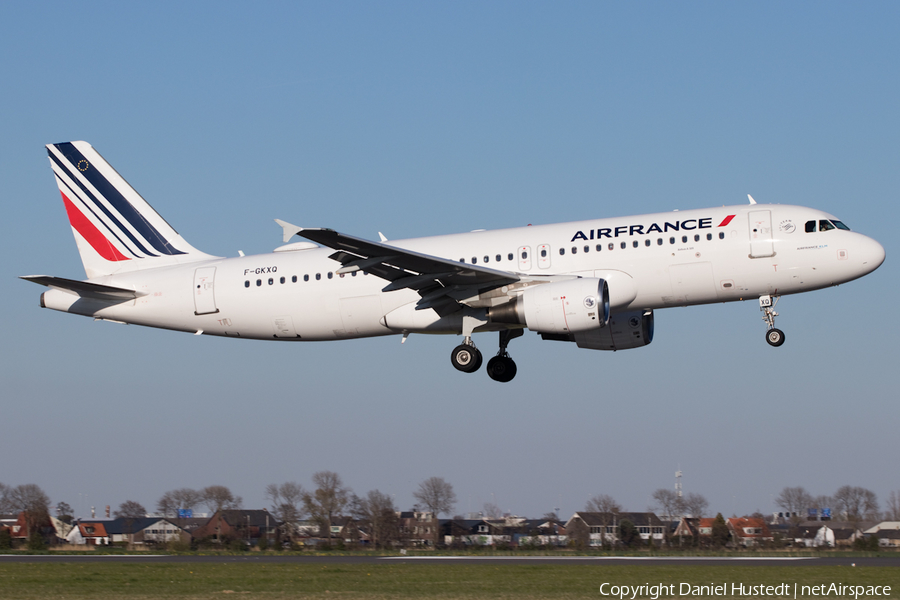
{"x": 626, "y": 330}
{"x": 561, "y": 307}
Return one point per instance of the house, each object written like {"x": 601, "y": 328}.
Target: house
{"x": 88, "y": 533}
{"x": 887, "y": 532}
{"x": 597, "y": 529}
{"x": 19, "y": 529}
{"x": 248, "y": 525}
{"x": 686, "y": 528}
{"x": 418, "y": 528}
{"x": 147, "y": 530}
{"x": 470, "y": 532}
{"x": 541, "y": 532}
{"x": 748, "y": 531}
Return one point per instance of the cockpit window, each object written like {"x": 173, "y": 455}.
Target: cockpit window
{"x": 825, "y": 225}
{"x": 810, "y": 227}
{"x": 840, "y": 225}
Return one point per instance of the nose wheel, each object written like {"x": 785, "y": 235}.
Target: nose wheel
{"x": 775, "y": 337}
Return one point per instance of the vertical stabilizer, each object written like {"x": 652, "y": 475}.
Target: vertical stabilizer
{"x": 115, "y": 229}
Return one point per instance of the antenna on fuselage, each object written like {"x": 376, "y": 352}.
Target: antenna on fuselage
{"x": 752, "y": 201}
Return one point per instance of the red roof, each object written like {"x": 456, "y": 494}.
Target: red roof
{"x": 96, "y": 530}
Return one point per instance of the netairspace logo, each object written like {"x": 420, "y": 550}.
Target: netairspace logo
{"x": 784, "y": 590}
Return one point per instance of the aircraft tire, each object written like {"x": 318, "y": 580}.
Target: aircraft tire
{"x": 502, "y": 369}
{"x": 466, "y": 358}
{"x": 775, "y": 337}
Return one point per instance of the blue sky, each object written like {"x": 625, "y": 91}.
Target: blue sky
{"x": 427, "y": 118}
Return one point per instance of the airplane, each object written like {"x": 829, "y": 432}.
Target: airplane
{"x": 596, "y": 283}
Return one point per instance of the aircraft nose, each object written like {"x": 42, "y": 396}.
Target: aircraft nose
{"x": 872, "y": 254}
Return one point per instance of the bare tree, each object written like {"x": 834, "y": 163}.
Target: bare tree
{"x": 893, "y": 507}
{"x": 219, "y": 497}
{"x": 131, "y": 510}
{"x": 695, "y": 504}
{"x": 437, "y": 495}
{"x": 30, "y": 499}
{"x": 328, "y": 500}
{"x": 287, "y": 504}
{"x": 794, "y": 501}
{"x": 667, "y": 502}
{"x": 64, "y": 512}
{"x": 492, "y": 511}
{"x": 608, "y": 509}
{"x": 377, "y": 511}
{"x": 856, "y": 503}
{"x": 5, "y": 504}
{"x": 174, "y": 501}
{"x": 602, "y": 503}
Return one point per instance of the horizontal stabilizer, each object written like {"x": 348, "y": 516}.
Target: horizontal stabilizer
{"x": 84, "y": 289}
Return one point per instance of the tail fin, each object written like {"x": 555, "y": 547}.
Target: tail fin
{"x": 116, "y": 230}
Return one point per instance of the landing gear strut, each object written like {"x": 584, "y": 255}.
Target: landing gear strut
{"x": 502, "y": 368}
{"x": 466, "y": 357}
{"x": 775, "y": 337}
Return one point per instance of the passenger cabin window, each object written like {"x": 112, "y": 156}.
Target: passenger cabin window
{"x": 684, "y": 239}
{"x": 810, "y": 227}
{"x": 509, "y": 256}
{"x": 524, "y": 255}
{"x": 562, "y": 251}
{"x": 634, "y": 243}
{"x": 574, "y": 250}
{"x": 696, "y": 238}
{"x": 708, "y": 236}
{"x": 474, "y": 260}
{"x": 623, "y": 245}
{"x": 825, "y": 225}
{"x": 671, "y": 240}
{"x": 599, "y": 247}
{"x": 659, "y": 241}
{"x": 544, "y": 252}
{"x": 611, "y": 246}
{"x": 318, "y": 276}
{"x": 587, "y": 249}
{"x": 294, "y": 279}
{"x": 487, "y": 259}
{"x": 498, "y": 257}
{"x": 647, "y": 242}
{"x": 247, "y": 283}
{"x": 721, "y": 235}
{"x": 306, "y": 278}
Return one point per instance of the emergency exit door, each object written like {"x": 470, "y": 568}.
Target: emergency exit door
{"x": 204, "y": 291}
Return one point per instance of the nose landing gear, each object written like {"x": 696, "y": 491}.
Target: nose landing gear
{"x": 775, "y": 337}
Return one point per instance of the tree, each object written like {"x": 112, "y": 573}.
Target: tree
{"x": 328, "y": 500}
{"x": 668, "y": 503}
{"x": 602, "y": 503}
{"x": 695, "y": 504}
{"x": 5, "y": 506}
{"x": 893, "y": 507}
{"x": 856, "y": 503}
{"x": 719, "y": 536}
{"x": 287, "y": 504}
{"x": 437, "y": 495}
{"x": 64, "y": 512}
{"x": 492, "y": 511}
{"x": 130, "y": 510}
{"x": 794, "y": 501}
{"x": 377, "y": 511}
{"x": 219, "y": 497}
{"x": 174, "y": 501}
{"x": 628, "y": 534}
{"x": 30, "y": 499}
{"x": 608, "y": 509}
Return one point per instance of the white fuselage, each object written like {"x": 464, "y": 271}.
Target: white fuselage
{"x": 652, "y": 261}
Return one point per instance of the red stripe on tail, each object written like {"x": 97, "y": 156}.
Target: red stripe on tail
{"x": 90, "y": 233}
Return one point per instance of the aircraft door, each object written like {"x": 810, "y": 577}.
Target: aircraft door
{"x": 524, "y": 258}
{"x": 761, "y": 242}
{"x": 204, "y": 292}
{"x": 543, "y": 252}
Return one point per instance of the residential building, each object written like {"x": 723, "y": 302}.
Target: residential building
{"x": 596, "y": 529}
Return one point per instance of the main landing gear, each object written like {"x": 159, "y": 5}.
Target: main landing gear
{"x": 775, "y": 337}
{"x": 467, "y": 358}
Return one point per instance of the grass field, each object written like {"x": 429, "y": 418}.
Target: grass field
{"x": 398, "y": 580}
